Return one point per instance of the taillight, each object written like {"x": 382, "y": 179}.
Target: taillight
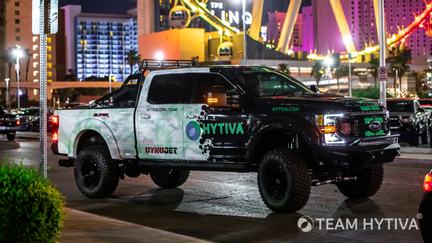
{"x": 427, "y": 185}
{"x": 55, "y": 121}
{"x": 18, "y": 122}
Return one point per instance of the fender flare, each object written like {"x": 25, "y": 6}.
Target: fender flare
{"x": 95, "y": 126}
{"x": 287, "y": 127}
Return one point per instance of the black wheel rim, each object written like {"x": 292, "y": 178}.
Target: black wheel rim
{"x": 275, "y": 180}
{"x": 90, "y": 173}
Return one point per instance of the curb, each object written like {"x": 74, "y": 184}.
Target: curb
{"x": 129, "y": 232}
{"x": 415, "y": 150}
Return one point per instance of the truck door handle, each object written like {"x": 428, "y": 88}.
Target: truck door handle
{"x": 191, "y": 116}
{"x": 145, "y": 116}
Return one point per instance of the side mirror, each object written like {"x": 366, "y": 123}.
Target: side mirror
{"x": 314, "y": 88}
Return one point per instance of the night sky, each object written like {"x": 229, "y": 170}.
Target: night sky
{"x": 121, "y": 6}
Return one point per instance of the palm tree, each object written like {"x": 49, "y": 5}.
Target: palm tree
{"x": 132, "y": 58}
{"x": 399, "y": 57}
{"x": 340, "y": 71}
{"x": 373, "y": 70}
{"x": 317, "y": 72}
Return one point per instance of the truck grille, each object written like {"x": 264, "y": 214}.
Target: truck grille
{"x": 360, "y": 126}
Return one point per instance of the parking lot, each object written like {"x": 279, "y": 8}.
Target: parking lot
{"x": 227, "y": 207}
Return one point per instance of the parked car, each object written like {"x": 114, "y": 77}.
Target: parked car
{"x": 29, "y": 119}
{"x": 408, "y": 119}
{"x": 427, "y": 105}
{"x": 425, "y": 210}
{"x": 225, "y": 118}
{"x": 8, "y": 124}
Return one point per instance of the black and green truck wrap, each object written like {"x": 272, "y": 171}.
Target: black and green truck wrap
{"x": 228, "y": 118}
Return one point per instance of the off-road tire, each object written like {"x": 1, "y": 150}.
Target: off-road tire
{"x": 96, "y": 175}
{"x": 284, "y": 180}
{"x": 169, "y": 178}
{"x": 368, "y": 183}
{"x": 11, "y": 136}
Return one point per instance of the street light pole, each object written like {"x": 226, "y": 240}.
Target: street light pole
{"x": 7, "y": 93}
{"x": 397, "y": 82}
{"x": 244, "y": 32}
{"x": 383, "y": 46}
{"x": 349, "y": 75}
{"x": 18, "y": 53}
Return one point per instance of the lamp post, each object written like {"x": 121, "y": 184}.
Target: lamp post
{"x": 396, "y": 83}
{"x": 243, "y": 3}
{"x": 7, "y": 93}
{"x": 244, "y": 32}
{"x": 347, "y": 41}
{"x": 382, "y": 50}
{"x": 18, "y": 53}
{"x": 329, "y": 61}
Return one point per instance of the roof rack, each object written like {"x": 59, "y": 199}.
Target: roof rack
{"x": 152, "y": 64}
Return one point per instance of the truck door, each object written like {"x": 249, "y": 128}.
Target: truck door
{"x": 116, "y": 110}
{"x": 159, "y": 118}
{"x": 214, "y": 124}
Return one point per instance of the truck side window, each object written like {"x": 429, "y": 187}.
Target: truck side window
{"x": 124, "y": 97}
{"x": 214, "y": 90}
{"x": 170, "y": 89}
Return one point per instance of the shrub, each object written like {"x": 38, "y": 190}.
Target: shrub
{"x": 371, "y": 93}
{"x": 31, "y": 209}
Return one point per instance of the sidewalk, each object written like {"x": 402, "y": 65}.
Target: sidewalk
{"x": 84, "y": 227}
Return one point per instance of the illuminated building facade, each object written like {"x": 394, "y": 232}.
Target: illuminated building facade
{"x": 18, "y": 29}
{"x": 361, "y": 19}
{"x": 99, "y": 43}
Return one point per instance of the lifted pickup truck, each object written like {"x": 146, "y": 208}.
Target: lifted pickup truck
{"x": 227, "y": 118}
{"x": 9, "y": 124}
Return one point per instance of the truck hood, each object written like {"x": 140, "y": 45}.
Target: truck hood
{"x": 322, "y": 103}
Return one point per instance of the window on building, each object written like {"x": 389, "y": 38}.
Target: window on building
{"x": 17, "y": 21}
{"x": 17, "y": 12}
{"x": 17, "y": 38}
{"x": 17, "y": 4}
{"x": 17, "y": 30}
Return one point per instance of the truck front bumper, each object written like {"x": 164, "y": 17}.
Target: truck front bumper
{"x": 361, "y": 153}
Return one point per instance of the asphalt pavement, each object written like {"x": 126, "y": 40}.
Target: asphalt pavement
{"x": 226, "y": 207}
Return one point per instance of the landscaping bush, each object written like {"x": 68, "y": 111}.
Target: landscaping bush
{"x": 31, "y": 209}
{"x": 371, "y": 93}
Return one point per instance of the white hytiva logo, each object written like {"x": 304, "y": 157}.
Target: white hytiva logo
{"x": 306, "y": 224}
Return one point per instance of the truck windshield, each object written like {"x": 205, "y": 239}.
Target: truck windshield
{"x": 400, "y": 106}
{"x": 266, "y": 82}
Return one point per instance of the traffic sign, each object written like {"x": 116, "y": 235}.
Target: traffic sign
{"x": 50, "y": 16}
{"x": 382, "y": 73}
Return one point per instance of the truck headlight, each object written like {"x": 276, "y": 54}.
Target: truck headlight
{"x": 326, "y": 124}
